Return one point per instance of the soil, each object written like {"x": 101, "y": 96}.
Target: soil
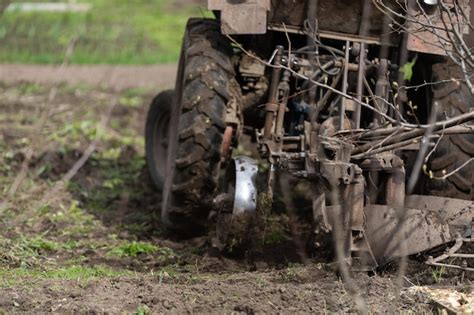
{"x": 122, "y": 77}
{"x": 308, "y": 290}
{"x": 111, "y": 202}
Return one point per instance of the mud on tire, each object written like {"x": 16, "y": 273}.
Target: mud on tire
{"x": 208, "y": 86}
{"x": 453, "y": 99}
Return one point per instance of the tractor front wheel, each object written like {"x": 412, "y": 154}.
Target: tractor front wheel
{"x": 205, "y": 91}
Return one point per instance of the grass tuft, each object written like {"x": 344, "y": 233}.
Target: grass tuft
{"x": 134, "y": 249}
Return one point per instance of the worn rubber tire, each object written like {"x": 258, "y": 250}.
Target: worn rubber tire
{"x": 156, "y": 136}
{"x": 207, "y": 87}
{"x": 453, "y": 99}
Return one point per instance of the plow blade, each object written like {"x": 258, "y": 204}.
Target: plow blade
{"x": 425, "y": 223}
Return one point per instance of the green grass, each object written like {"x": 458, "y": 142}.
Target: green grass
{"x": 102, "y": 214}
{"x": 12, "y": 276}
{"x": 143, "y": 310}
{"x": 112, "y": 32}
{"x": 133, "y": 249}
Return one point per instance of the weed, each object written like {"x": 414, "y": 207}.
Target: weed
{"x": 75, "y": 89}
{"x": 78, "y": 273}
{"x": 133, "y": 249}
{"x": 143, "y": 310}
{"x": 25, "y": 251}
{"x": 438, "y": 274}
{"x": 39, "y": 244}
{"x": 290, "y": 274}
{"x": 113, "y": 183}
{"x": 275, "y": 237}
{"x": 131, "y": 101}
{"x": 76, "y": 221}
{"x": 30, "y": 89}
{"x": 261, "y": 283}
{"x": 79, "y": 130}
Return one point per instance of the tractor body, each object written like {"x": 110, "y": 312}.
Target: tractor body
{"x": 330, "y": 94}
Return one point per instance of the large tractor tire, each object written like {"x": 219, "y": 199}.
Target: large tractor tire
{"x": 206, "y": 88}
{"x": 156, "y": 136}
{"x": 453, "y": 98}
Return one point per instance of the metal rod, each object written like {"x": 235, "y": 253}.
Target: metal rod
{"x": 345, "y": 85}
{"x": 323, "y": 101}
{"x": 272, "y": 105}
{"x": 284, "y": 90}
{"x": 360, "y": 85}
{"x": 329, "y": 35}
{"x": 381, "y": 91}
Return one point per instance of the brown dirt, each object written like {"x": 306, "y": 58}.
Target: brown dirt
{"x": 303, "y": 290}
{"x": 115, "y": 203}
{"x": 118, "y": 77}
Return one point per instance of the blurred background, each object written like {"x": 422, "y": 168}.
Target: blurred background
{"x": 118, "y": 32}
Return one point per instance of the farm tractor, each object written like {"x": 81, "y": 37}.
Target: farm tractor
{"x": 361, "y": 100}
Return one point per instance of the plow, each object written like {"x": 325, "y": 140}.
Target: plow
{"x": 378, "y": 122}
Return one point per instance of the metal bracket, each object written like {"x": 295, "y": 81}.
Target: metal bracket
{"x": 241, "y": 182}
{"x": 242, "y": 17}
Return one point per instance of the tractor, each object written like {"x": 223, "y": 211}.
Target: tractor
{"x": 361, "y": 99}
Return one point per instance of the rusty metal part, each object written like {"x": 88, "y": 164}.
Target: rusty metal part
{"x": 424, "y": 223}
{"x": 284, "y": 92}
{"x": 244, "y": 17}
{"x": 339, "y": 16}
{"x": 360, "y": 84}
{"x": 382, "y": 90}
{"x": 341, "y": 211}
{"x": 249, "y": 66}
{"x": 363, "y": 203}
{"x": 272, "y": 106}
{"x": 227, "y": 142}
{"x": 352, "y": 67}
{"x": 345, "y": 84}
{"x": 389, "y": 169}
{"x": 456, "y": 212}
{"x": 391, "y": 226}
{"x": 322, "y": 103}
{"x": 327, "y": 35}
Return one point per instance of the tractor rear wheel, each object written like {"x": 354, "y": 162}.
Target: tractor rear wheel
{"x": 453, "y": 98}
{"x": 156, "y": 136}
{"x": 206, "y": 89}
